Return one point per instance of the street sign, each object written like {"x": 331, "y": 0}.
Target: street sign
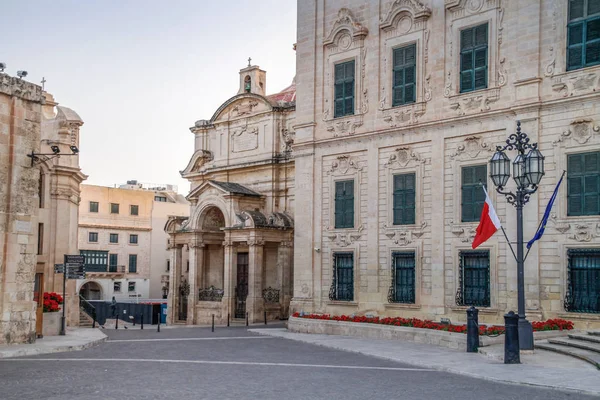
{"x": 74, "y": 259}
{"x": 59, "y": 268}
{"x": 75, "y": 271}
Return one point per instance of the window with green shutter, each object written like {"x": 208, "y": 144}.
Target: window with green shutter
{"x": 342, "y": 286}
{"x": 402, "y": 289}
{"x": 404, "y": 80}
{"x": 112, "y": 262}
{"x": 472, "y": 195}
{"x": 583, "y": 184}
{"x": 344, "y": 89}
{"x": 474, "y": 278}
{"x": 344, "y": 204}
{"x": 583, "y": 34}
{"x": 404, "y": 199}
{"x": 133, "y": 263}
{"x": 474, "y": 58}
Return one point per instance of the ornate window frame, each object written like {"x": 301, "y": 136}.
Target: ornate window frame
{"x": 463, "y": 14}
{"x": 345, "y": 42}
{"x": 405, "y": 23}
{"x": 566, "y": 83}
{"x": 494, "y": 293}
{"x": 417, "y": 248}
{"x": 344, "y": 168}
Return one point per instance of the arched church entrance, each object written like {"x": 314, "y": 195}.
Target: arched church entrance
{"x": 91, "y": 291}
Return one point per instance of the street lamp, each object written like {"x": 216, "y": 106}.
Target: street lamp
{"x": 528, "y": 170}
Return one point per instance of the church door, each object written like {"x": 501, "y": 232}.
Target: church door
{"x": 241, "y": 288}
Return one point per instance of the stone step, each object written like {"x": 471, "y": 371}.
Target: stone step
{"x": 580, "y": 344}
{"x": 585, "y": 355}
{"x": 594, "y": 333}
{"x": 583, "y": 336}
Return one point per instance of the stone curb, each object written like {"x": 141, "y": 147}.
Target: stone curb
{"x": 422, "y": 363}
{"x": 37, "y": 349}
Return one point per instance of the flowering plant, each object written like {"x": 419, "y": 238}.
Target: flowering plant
{"x": 52, "y": 302}
{"x": 551, "y": 324}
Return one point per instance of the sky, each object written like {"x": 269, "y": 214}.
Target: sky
{"x": 141, "y": 72}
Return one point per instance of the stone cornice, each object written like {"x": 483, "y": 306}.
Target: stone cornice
{"x": 116, "y": 227}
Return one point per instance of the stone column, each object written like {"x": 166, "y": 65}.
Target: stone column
{"x": 284, "y": 259}
{"x": 254, "y": 301}
{"x": 228, "y": 278}
{"x": 174, "y": 281}
{"x": 196, "y": 256}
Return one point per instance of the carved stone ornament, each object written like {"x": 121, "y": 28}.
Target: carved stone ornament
{"x": 344, "y": 238}
{"x": 581, "y": 82}
{"x": 287, "y": 138}
{"x": 244, "y": 108}
{"x": 560, "y": 226}
{"x": 345, "y": 24}
{"x": 402, "y": 14}
{"x": 402, "y": 235}
{"x": 471, "y": 147}
{"x": 584, "y": 233}
{"x": 213, "y": 220}
{"x": 475, "y": 103}
{"x": 201, "y": 160}
{"x": 404, "y": 116}
{"x": 244, "y": 138}
{"x": 581, "y": 131}
{"x": 465, "y": 232}
{"x": 402, "y": 156}
{"x": 343, "y": 164}
{"x": 347, "y": 126}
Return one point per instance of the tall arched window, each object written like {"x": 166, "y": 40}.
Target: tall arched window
{"x": 247, "y": 84}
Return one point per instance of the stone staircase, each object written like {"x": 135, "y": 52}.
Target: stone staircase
{"x": 585, "y": 346}
{"x": 85, "y": 321}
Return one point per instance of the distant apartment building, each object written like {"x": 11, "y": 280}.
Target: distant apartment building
{"x": 121, "y": 234}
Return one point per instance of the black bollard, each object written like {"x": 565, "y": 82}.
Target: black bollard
{"x": 117, "y": 322}
{"x": 511, "y": 339}
{"x": 158, "y": 325}
{"x": 213, "y": 322}
{"x": 265, "y": 317}
{"x": 227, "y": 319}
{"x": 94, "y": 321}
{"x": 246, "y": 319}
{"x": 472, "y": 330}
{"x": 142, "y": 321}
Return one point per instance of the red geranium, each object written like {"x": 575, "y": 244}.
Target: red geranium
{"x": 551, "y": 324}
{"x": 52, "y": 302}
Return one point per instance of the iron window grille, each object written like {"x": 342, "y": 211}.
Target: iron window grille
{"x": 344, "y": 204}
{"x": 402, "y": 289}
{"x": 344, "y": 89}
{"x": 404, "y": 80}
{"x": 473, "y": 278}
{"x": 583, "y": 281}
{"x": 474, "y": 58}
{"x": 404, "y": 199}
{"x": 342, "y": 285}
{"x": 583, "y": 184}
{"x": 583, "y": 34}
{"x": 472, "y": 195}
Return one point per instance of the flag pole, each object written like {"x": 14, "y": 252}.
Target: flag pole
{"x": 508, "y": 241}
{"x": 542, "y": 220}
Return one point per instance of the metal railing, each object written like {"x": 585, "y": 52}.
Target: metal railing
{"x": 88, "y": 308}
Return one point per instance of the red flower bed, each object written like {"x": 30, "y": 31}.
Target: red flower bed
{"x": 52, "y": 302}
{"x": 550, "y": 325}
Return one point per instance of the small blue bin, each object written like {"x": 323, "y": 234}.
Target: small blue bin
{"x": 163, "y": 313}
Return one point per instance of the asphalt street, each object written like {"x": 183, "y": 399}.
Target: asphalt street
{"x": 232, "y": 363}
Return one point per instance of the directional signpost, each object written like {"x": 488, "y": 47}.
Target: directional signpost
{"x": 72, "y": 268}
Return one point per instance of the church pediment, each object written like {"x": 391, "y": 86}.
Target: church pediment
{"x": 217, "y": 188}
{"x": 241, "y": 106}
{"x": 197, "y": 163}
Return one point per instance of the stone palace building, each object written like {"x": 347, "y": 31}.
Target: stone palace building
{"x": 239, "y": 235}
{"x": 400, "y": 105}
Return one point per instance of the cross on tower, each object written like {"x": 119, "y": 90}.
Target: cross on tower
{"x": 249, "y": 60}
{"x": 43, "y": 82}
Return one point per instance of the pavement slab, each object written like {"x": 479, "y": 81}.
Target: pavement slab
{"x": 578, "y": 377}
{"x": 75, "y": 339}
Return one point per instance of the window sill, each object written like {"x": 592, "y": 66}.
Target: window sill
{"x": 417, "y": 105}
{"x": 482, "y": 310}
{"x": 403, "y": 306}
{"x": 342, "y": 303}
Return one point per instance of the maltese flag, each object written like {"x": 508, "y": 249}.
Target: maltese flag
{"x": 488, "y": 224}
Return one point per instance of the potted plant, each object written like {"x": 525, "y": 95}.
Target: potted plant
{"x": 52, "y": 302}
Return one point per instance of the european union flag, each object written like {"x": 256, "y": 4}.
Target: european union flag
{"x": 542, "y": 226}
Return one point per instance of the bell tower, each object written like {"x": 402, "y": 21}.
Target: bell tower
{"x": 253, "y": 79}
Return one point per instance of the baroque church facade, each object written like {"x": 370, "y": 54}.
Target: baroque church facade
{"x": 238, "y": 238}
{"x": 400, "y": 106}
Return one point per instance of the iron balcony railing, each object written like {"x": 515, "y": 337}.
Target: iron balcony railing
{"x": 88, "y": 308}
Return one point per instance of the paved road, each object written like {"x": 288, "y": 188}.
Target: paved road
{"x": 231, "y": 363}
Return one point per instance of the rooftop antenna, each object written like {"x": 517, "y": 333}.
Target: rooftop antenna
{"x": 2, "y": 66}
{"x": 21, "y": 74}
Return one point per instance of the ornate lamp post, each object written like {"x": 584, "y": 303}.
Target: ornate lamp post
{"x": 528, "y": 170}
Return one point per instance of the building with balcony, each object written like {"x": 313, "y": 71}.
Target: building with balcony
{"x": 121, "y": 235}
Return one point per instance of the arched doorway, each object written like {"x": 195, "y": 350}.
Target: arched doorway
{"x": 91, "y": 291}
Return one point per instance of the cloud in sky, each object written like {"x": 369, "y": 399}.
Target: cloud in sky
{"x": 141, "y": 72}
